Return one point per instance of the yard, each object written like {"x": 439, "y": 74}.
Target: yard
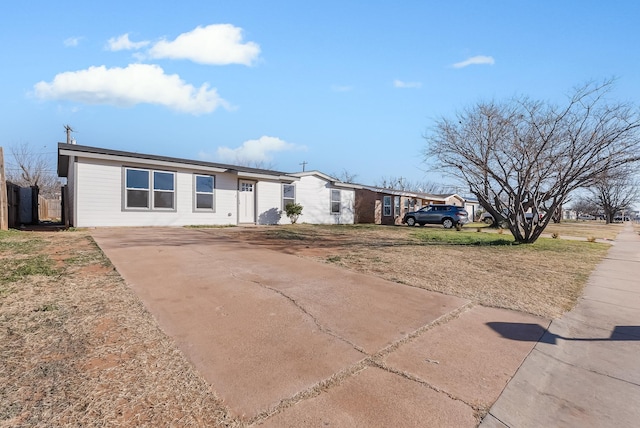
{"x": 73, "y": 335}
{"x": 544, "y": 278}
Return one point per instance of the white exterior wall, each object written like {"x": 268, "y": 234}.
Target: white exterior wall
{"x": 472, "y": 209}
{"x": 99, "y": 193}
{"x": 268, "y": 203}
{"x": 314, "y": 194}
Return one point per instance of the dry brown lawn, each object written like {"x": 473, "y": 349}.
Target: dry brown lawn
{"x": 79, "y": 349}
{"x": 583, "y": 229}
{"x": 544, "y": 278}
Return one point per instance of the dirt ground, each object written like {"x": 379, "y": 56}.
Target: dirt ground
{"x": 78, "y": 348}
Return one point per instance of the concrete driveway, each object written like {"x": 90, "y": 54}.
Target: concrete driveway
{"x": 287, "y": 341}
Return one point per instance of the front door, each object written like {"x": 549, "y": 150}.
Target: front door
{"x": 246, "y": 202}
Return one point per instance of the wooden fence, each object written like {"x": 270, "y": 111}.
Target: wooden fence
{"x": 49, "y": 209}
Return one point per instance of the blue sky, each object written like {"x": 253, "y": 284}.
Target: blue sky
{"x": 342, "y": 85}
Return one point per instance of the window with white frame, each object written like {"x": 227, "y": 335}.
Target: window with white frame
{"x": 203, "y": 187}
{"x": 288, "y": 195}
{"x": 396, "y": 206}
{"x": 335, "y": 201}
{"x": 386, "y": 206}
{"x": 147, "y": 189}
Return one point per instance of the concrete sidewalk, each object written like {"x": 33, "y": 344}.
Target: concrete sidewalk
{"x": 585, "y": 371}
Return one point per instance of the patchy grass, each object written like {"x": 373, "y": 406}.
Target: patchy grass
{"x": 12, "y": 270}
{"x": 585, "y": 229}
{"x": 13, "y": 242}
{"x": 209, "y": 226}
{"x": 301, "y": 234}
{"x": 545, "y": 278}
{"x": 21, "y": 257}
{"x": 79, "y": 349}
{"x": 453, "y": 237}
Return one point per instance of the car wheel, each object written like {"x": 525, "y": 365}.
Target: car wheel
{"x": 411, "y": 221}
{"x": 447, "y": 223}
{"x": 488, "y": 220}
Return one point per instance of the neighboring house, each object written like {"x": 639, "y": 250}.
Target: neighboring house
{"x": 472, "y": 206}
{"x": 116, "y": 188}
{"x": 388, "y": 206}
{"x": 313, "y": 190}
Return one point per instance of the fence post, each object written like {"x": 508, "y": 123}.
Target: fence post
{"x": 4, "y": 205}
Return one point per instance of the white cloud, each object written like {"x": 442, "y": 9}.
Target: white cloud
{"x": 475, "y": 60}
{"x": 400, "y": 84}
{"x": 72, "y": 42}
{"x": 121, "y": 43}
{"x": 217, "y": 44}
{"x": 255, "y": 151}
{"x": 125, "y": 87}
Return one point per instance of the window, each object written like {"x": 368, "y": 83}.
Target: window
{"x": 288, "y": 195}
{"x": 138, "y": 185}
{"x": 203, "y": 186}
{"x": 335, "y": 201}
{"x": 386, "y": 206}
{"x": 163, "y": 190}
{"x": 137, "y": 188}
{"x": 396, "y": 206}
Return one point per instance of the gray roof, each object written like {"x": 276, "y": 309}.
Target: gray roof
{"x": 63, "y": 160}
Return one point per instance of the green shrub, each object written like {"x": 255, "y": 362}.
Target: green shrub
{"x": 293, "y": 211}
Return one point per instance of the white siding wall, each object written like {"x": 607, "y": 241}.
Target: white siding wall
{"x": 268, "y": 203}
{"x": 314, "y": 194}
{"x": 99, "y": 190}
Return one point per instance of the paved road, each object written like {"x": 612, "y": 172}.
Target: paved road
{"x": 585, "y": 371}
{"x": 289, "y": 342}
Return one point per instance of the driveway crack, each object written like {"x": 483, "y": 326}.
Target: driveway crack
{"x": 374, "y": 360}
{"x": 320, "y": 326}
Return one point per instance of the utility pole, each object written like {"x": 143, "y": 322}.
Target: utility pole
{"x": 4, "y": 203}
{"x": 304, "y": 164}
{"x": 68, "y": 129}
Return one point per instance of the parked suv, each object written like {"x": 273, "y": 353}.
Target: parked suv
{"x": 446, "y": 215}
{"x": 488, "y": 218}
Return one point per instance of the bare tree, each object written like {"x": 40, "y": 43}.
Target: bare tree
{"x": 32, "y": 168}
{"x": 614, "y": 191}
{"x": 401, "y": 183}
{"x": 257, "y": 164}
{"x": 346, "y": 176}
{"x": 521, "y": 158}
